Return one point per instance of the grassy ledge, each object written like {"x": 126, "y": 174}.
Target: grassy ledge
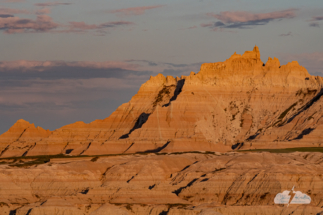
{"x": 286, "y": 150}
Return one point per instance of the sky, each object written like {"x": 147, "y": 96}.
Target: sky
{"x": 78, "y": 60}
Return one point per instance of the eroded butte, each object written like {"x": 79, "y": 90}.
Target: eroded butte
{"x": 179, "y": 146}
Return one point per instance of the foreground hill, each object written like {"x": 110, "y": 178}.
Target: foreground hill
{"x": 159, "y": 184}
{"x": 241, "y": 103}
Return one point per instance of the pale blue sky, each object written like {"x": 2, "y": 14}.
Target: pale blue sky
{"x": 134, "y": 39}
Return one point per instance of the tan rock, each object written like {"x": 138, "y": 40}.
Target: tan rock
{"x": 181, "y": 183}
{"x": 240, "y": 100}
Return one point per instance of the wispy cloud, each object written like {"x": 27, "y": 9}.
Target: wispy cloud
{"x": 243, "y": 19}
{"x": 6, "y": 15}
{"x": 171, "y": 69}
{"x": 135, "y": 10}
{"x": 314, "y": 24}
{"x": 60, "y": 92}
{"x": 9, "y": 23}
{"x": 317, "y": 18}
{"x": 42, "y": 23}
{"x": 59, "y": 84}
{"x": 50, "y": 4}
{"x": 41, "y": 66}
{"x": 81, "y": 27}
{"x": 4, "y": 10}
{"x": 43, "y": 11}
{"x": 189, "y": 28}
{"x": 13, "y": 1}
{"x": 48, "y": 70}
{"x": 314, "y": 21}
{"x": 286, "y": 35}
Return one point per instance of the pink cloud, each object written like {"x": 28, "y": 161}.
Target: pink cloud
{"x": 192, "y": 27}
{"x": 13, "y": 11}
{"x": 317, "y": 18}
{"x": 82, "y": 27}
{"x": 243, "y": 19}
{"x": 242, "y": 16}
{"x": 49, "y": 4}
{"x": 135, "y": 10}
{"x": 314, "y": 21}
{"x": 43, "y": 11}
{"x": 43, "y": 23}
{"x": 207, "y": 25}
{"x": 10, "y": 1}
{"x": 24, "y": 65}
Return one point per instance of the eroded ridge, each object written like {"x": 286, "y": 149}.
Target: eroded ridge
{"x": 241, "y": 103}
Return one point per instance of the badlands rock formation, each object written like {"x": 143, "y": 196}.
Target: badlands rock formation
{"x": 172, "y": 184}
{"x": 240, "y": 103}
{"x": 176, "y": 148}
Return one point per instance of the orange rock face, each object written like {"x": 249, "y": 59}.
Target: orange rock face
{"x": 240, "y": 103}
{"x": 20, "y": 138}
{"x": 174, "y": 148}
{"x": 188, "y": 183}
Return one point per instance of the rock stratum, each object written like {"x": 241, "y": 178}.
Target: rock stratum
{"x": 226, "y": 140}
{"x": 159, "y": 184}
{"x": 241, "y": 103}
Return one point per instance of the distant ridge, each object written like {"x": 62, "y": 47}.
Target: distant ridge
{"x": 241, "y": 103}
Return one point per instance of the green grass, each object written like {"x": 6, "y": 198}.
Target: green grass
{"x": 41, "y": 159}
{"x": 30, "y": 163}
{"x": 287, "y": 150}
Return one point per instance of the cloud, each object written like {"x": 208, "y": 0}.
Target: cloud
{"x": 55, "y": 93}
{"x": 317, "y": 18}
{"x": 50, "y": 4}
{"x": 243, "y": 19}
{"x": 286, "y": 35}
{"x": 314, "y": 21}
{"x": 43, "y": 23}
{"x": 314, "y": 24}
{"x": 4, "y": 10}
{"x": 52, "y": 70}
{"x": 168, "y": 68}
{"x": 46, "y": 88}
{"x": 49, "y": 70}
{"x": 6, "y": 15}
{"x": 39, "y": 66}
{"x": 189, "y": 28}
{"x": 11, "y": 1}
{"x": 135, "y": 10}
{"x": 81, "y": 27}
{"x": 43, "y": 11}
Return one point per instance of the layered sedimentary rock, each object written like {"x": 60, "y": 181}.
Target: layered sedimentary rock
{"x": 191, "y": 183}
{"x": 20, "y": 138}
{"x": 240, "y": 103}
{"x": 189, "y": 131}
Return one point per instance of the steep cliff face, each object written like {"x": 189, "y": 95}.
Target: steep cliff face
{"x": 239, "y": 103}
